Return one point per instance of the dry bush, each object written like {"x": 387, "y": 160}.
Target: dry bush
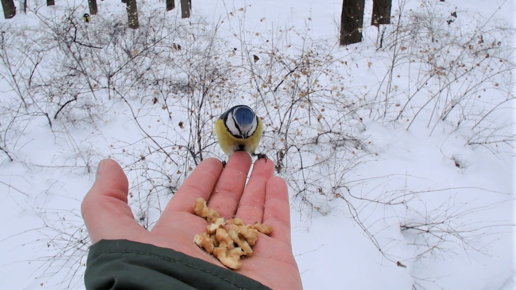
{"x": 170, "y": 79}
{"x": 459, "y": 73}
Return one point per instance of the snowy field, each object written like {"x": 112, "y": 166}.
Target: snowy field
{"x": 398, "y": 151}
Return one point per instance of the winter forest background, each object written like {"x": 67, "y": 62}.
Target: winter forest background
{"x": 396, "y": 144}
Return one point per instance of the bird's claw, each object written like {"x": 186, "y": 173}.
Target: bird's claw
{"x": 261, "y": 156}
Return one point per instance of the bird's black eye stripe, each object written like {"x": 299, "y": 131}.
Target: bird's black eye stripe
{"x": 256, "y": 128}
{"x": 224, "y": 117}
{"x": 238, "y": 127}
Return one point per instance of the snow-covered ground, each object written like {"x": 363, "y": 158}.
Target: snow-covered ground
{"x": 398, "y": 158}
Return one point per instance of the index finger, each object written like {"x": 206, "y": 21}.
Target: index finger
{"x": 199, "y": 184}
{"x": 251, "y": 206}
{"x": 230, "y": 185}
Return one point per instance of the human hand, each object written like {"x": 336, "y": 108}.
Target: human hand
{"x": 264, "y": 199}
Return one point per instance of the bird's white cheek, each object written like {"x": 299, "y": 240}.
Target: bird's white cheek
{"x": 232, "y": 127}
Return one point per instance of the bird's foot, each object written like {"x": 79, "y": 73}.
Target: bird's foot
{"x": 260, "y": 156}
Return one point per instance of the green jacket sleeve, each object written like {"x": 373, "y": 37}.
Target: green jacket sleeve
{"x": 122, "y": 264}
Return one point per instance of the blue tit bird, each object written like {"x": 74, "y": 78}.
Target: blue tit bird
{"x": 86, "y": 18}
{"x": 239, "y": 129}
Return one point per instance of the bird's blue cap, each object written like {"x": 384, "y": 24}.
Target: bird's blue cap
{"x": 244, "y": 115}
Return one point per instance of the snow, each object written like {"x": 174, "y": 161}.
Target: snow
{"x": 371, "y": 188}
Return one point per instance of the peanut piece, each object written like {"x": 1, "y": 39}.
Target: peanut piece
{"x": 212, "y": 228}
{"x": 264, "y": 229}
{"x": 224, "y": 239}
{"x": 242, "y": 243}
{"x": 230, "y": 259}
{"x": 205, "y": 241}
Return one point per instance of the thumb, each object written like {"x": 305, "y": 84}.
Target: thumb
{"x": 104, "y": 208}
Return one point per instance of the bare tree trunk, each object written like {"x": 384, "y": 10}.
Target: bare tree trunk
{"x": 351, "y": 21}
{"x": 381, "y": 12}
{"x": 9, "y": 8}
{"x": 93, "y": 7}
{"x": 51, "y": 3}
{"x": 186, "y": 7}
{"x": 170, "y": 5}
{"x": 132, "y": 13}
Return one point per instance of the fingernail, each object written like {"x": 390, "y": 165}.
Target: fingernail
{"x": 99, "y": 169}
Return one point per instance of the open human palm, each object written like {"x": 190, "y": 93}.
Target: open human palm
{"x": 263, "y": 199}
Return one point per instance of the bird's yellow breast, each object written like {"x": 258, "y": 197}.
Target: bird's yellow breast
{"x": 229, "y": 144}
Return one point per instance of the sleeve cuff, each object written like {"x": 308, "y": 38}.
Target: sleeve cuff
{"x": 123, "y": 264}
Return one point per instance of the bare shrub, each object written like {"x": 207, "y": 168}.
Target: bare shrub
{"x": 163, "y": 86}
{"x": 460, "y": 72}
